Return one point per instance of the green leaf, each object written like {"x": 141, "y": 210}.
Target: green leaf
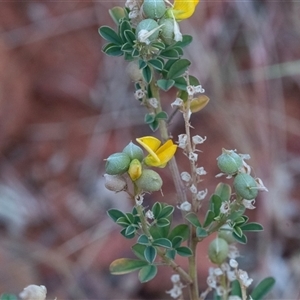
{"x": 143, "y": 239}
{"x": 170, "y": 54}
{"x": 154, "y": 125}
{"x": 184, "y": 251}
{"x": 127, "y": 236}
{"x": 181, "y": 83}
{"x": 263, "y": 288}
{"x": 236, "y": 288}
{"x": 169, "y": 64}
{"x": 130, "y": 217}
{"x": 127, "y": 48}
{"x": 115, "y": 214}
{"x": 149, "y": 118}
{"x": 162, "y": 115}
{"x": 123, "y": 221}
{"x": 181, "y": 230}
{"x": 238, "y": 231}
{"x": 252, "y": 227}
{"x": 166, "y": 211}
{"x": 110, "y": 35}
{"x": 171, "y": 253}
{"x": 165, "y": 84}
{"x": 162, "y": 222}
{"x": 139, "y": 251}
{"x": 241, "y": 220}
{"x": 176, "y": 242}
{"x": 236, "y": 214}
{"x": 150, "y": 254}
{"x": 156, "y": 209}
{"x": 130, "y": 230}
{"x": 165, "y": 243}
{"x": 147, "y": 74}
{"x": 8, "y": 297}
{"x": 117, "y": 13}
{"x": 135, "y": 53}
{"x": 201, "y": 232}
{"x": 156, "y": 64}
{"x": 126, "y": 265}
{"x": 142, "y": 64}
{"x": 223, "y": 190}
{"x": 147, "y": 273}
{"x": 112, "y": 50}
{"x": 124, "y": 26}
{"x": 242, "y": 239}
{"x": 158, "y": 45}
{"x": 129, "y": 36}
{"x": 215, "y": 204}
{"x": 209, "y": 217}
{"x": 178, "y": 68}
{"x": 186, "y": 40}
{"x": 193, "y": 219}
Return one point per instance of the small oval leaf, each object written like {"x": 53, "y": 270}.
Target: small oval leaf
{"x": 126, "y": 265}
{"x": 147, "y": 273}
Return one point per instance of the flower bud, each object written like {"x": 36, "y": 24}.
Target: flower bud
{"x": 117, "y": 163}
{"x": 115, "y": 183}
{"x": 147, "y": 25}
{"x": 225, "y": 233}
{"x": 149, "y": 181}
{"x": 218, "y": 251}
{"x": 134, "y": 151}
{"x": 167, "y": 31}
{"x": 229, "y": 162}
{"x": 245, "y": 186}
{"x": 135, "y": 169}
{"x": 154, "y": 9}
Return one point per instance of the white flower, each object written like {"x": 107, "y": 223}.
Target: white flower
{"x": 220, "y": 290}
{"x": 177, "y": 33}
{"x": 149, "y": 215}
{"x": 243, "y": 275}
{"x": 185, "y": 176}
{"x": 260, "y": 185}
{"x": 231, "y": 275}
{"x": 234, "y": 298}
{"x": 201, "y": 194}
{"x": 175, "y": 278}
{"x": 193, "y": 156}
{"x": 153, "y": 102}
{"x": 139, "y": 199}
{"x": 233, "y": 263}
{"x": 193, "y": 189}
{"x": 178, "y": 102}
{"x": 218, "y": 272}
{"x": 34, "y": 292}
{"x": 200, "y": 171}
{"x": 185, "y": 206}
{"x": 182, "y": 141}
{"x": 225, "y": 207}
{"x": 245, "y": 156}
{"x": 143, "y": 36}
{"x": 199, "y": 89}
{"x": 211, "y": 281}
{"x": 249, "y": 203}
{"x": 190, "y": 90}
{"x": 197, "y": 139}
{"x": 138, "y": 94}
{"x": 175, "y": 292}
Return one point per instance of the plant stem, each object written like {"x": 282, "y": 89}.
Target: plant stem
{"x": 192, "y": 243}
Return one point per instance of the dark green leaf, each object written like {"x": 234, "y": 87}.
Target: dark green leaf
{"x": 123, "y": 221}
{"x": 241, "y": 220}
{"x": 142, "y": 64}
{"x": 127, "y": 48}
{"x": 127, "y": 236}
{"x": 149, "y": 118}
{"x": 178, "y": 49}
{"x": 184, "y": 251}
{"x": 147, "y": 74}
{"x": 166, "y": 211}
{"x": 165, "y": 243}
{"x": 124, "y": 26}
{"x": 128, "y": 56}
{"x": 236, "y": 214}
{"x": 126, "y": 265}
{"x": 150, "y": 254}
{"x": 143, "y": 239}
{"x": 156, "y": 64}
{"x": 209, "y": 217}
{"x": 115, "y": 214}
{"x": 181, "y": 230}
{"x": 162, "y": 222}
{"x": 193, "y": 219}
{"x": 201, "y": 232}
{"x": 242, "y": 239}
{"x": 139, "y": 250}
{"x": 110, "y": 35}
{"x": 169, "y": 64}
{"x": 165, "y": 84}
{"x": 263, "y": 288}
{"x": 236, "y": 288}
{"x": 252, "y": 227}
{"x": 162, "y": 115}
{"x": 147, "y": 273}
{"x": 112, "y": 50}
{"x": 238, "y": 231}
{"x": 117, "y": 13}
{"x": 215, "y": 204}
{"x": 130, "y": 217}
{"x": 176, "y": 242}
{"x": 130, "y": 230}
{"x": 223, "y": 190}
{"x": 180, "y": 83}
{"x": 156, "y": 209}
{"x": 170, "y": 54}
{"x": 171, "y": 253}
{"x": 158, "y": 45}
{"x": 130, "y": 36}
{"x": 186, "y": 40}
{"x": 178, "y": 68}
{"x": 135, "y": 53}
{"x": 154, "y": 125}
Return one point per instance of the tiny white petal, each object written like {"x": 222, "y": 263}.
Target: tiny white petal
{"x": 233, "y": 252}
{"x": 182, "y": 141}
{"x": 185, "y": 206}
{"x": 249, "y": 203}
{"x": 175, "y": 278}
{"x": 231, "y": 275}
{"x": 193, "y": 156}
{"x": 197, "y": 139}
{"x": 190, "y": 90}
{"x": 233, "y": 263}
{"x": 260, "y": 185}
{"x": 153, "y": 102}
{"x": 200, "y": 171}
{"x": 178, "y": 102}
{"x": 150, "y": 215}
{"x": 201, "y": 194}
{"x": 139, "y": 199}
{"x": 211, "y": 281}
{"x": 193, "y": 189}
{"x": 199, "y": 89}
{"x": 34, "y": 292}
{"x": 245, "y": 156}
{"x": 185, "y": 176}
{"x": 225, "y": 207}
{"x": 177, "y": 33}
{"x": 218, "y": 272}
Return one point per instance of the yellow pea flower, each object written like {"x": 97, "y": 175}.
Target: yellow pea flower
{"x": 182, "y": 9}
{"x": 158, "y": 155}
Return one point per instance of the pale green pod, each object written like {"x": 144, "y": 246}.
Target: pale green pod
{"x": 218, "y": 250}
{"x": 134, "y": 151}
{"x": 167, "y": 31}
{"x": 229, "y": 161}
{"x": 115, "y": 183}
{"x": 117, "y": 163}
{"x": 154, "y": 9}
{"x": 149, "y": 181}
{"x": 225, "y": 233}
{"x": 148, "y": 25}
{"x": 133, "y": 71}
{"x": 245, "y": 186}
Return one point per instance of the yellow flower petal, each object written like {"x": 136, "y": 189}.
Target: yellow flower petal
{"x": 135, "y": 169}
{"x": 183, "y": 9}
{"x": 151, "y": 144}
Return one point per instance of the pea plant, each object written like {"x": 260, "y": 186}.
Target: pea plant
{"x": 148, "y": 36}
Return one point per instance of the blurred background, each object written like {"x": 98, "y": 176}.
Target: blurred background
{"x": 65, "y": 106}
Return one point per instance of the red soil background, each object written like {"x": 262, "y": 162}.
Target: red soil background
{"x": 65, "y": 106}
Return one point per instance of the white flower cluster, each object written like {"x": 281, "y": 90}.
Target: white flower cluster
{"x": 176, "y": 291}
{"x": 135, "y": 13}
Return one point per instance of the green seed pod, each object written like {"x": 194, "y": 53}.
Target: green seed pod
{"x": 149, "y": 181}
{"x": 225, "y": 233}
{"x": 117, "y": 164}
{"x": 229, "y": 161}
{"x": 148, "y": 25}
{"x": 115, "y": 183}
{"x": 218, "y": 251}
{"x": 134, "y": 151}
{"x": 167, "y": 31}
{"x": 134, "y": 71}
{"x": 245, "y": 186}
{"x": 154, "y": 9}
